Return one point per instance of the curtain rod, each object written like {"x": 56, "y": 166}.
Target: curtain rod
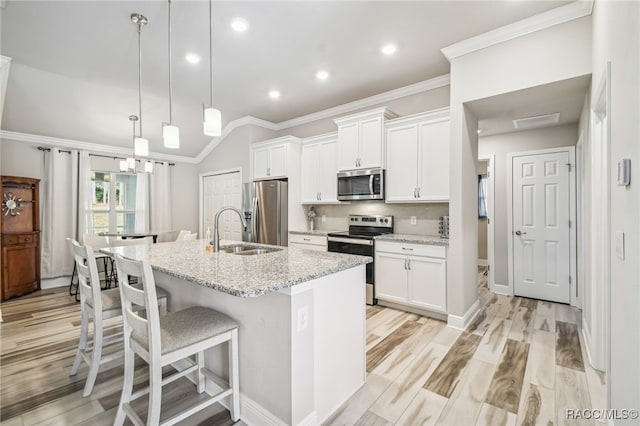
{"x": 43, "y": 148}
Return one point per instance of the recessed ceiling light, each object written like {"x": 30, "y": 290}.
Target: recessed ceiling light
{"x": 389, "y": 49}
{"x": 274, "y": 94}
{"x": 322, "y": 75}
{"x": 240, "y": 25}
{"x": 192, "y": 58}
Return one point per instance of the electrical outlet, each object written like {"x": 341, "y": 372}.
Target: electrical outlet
{"x": 324, "y": 217}
{"x": 303, "y": 318}
{"x": 413, "y": 220}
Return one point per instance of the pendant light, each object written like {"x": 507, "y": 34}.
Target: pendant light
{"x": 212, "y": 116}
{"x": 170, "y": 133}
{"x": 129, "y": 165}
{"x": 140, "y": 144}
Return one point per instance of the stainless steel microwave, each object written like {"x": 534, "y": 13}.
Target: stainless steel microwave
{"x": 365, "y": 184}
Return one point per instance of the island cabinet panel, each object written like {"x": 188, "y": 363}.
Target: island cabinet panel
{"x": 320, "y": 169}
{"x": 414, "y": 275}
{"x": 417, "y": 158}
{"x": 361, "y": 139}
{"x": 20, "y": 225}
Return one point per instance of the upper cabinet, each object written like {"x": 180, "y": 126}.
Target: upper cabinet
{"x": 417, "y": 158}
{"x": 361, "y": 139}
{"x": 320, "y": 169}
{"x": 272, "y": 159}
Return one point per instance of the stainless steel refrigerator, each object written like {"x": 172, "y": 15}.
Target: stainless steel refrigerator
{"x": 264, "y": 204}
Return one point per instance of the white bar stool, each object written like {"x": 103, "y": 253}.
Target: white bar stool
{"x": 96, "y": 306}
{"x": 161, "y": 341}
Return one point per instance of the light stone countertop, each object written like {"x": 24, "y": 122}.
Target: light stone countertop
{"x": 320, "y": 232}
{"x": 242, "y": 276}
{"x": 433, "y": 240}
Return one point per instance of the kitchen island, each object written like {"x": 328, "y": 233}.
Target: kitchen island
{"x": 301, "y": 315}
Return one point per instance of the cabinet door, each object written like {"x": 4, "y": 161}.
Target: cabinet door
{"x": 278, "y": 161}
{"x": 310, "y": 170}
{"x": 328, "y": 171}
{"x": 260, "y": 163}
{"x": 391, "y": 277}
{"x": 371, "y": 137}
{"x": 402, "y": 163}
{"x": 349, "y": 146}
{"x": 428, "y": 283}
{"x": 19, "y": 270}
{"x": 434, "y": 161}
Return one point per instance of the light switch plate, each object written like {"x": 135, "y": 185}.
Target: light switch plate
{"x": 413, "y": 220}
{"x": 620, "y": 245}
{"x": 324, "y": 218}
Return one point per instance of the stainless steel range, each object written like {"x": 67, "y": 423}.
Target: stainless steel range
{"x": 359, "y": 239}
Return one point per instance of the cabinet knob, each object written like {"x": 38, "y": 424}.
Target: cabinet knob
{"x": 27, "y": 239}
{"x": 306, "y": 239}
{"x": 320, "y": 196}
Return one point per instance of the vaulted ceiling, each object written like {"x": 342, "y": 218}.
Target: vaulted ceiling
{"x": 74, "y": 63}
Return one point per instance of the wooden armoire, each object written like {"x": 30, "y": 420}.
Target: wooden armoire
{"x": 20, "y": 233}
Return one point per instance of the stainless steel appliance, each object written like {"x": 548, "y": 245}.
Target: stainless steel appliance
{"x": 361, "y": 185}
{"x": 359, "y": 239}
{"x": 264, "y": 205}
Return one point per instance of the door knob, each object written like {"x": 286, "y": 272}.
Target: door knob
{"x": 520, "y": 233}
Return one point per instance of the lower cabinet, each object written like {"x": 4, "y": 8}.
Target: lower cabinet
{"x": 412, "y": 274}
{"x": 309, "y": 242}
{"x": 20, "y": 264}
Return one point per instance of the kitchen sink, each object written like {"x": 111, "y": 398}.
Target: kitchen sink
{"x": 247, "y": 250}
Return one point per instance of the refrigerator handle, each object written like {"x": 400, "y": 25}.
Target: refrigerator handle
{"x": 254, "y": 220}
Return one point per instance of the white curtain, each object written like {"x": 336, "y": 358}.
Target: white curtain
{"x": 160, "y": 198}
{"x": 59, "y": 213}
{"x": 142, "y": 202}
{"x": 85, "y": 219}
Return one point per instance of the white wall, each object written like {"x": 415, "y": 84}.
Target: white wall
{"x": 616, "y": 38}
{"x": 500, "y": 146}
{"x": 553, "y": 54}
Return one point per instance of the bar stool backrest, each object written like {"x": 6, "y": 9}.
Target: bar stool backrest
{"x": 142, "y": 332}
{"x": 95, "y": 241}
{"x": 190, "y": 237}
{"x": 88, "y": 276}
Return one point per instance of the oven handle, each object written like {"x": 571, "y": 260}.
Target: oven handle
{"x": 350, "y": 241}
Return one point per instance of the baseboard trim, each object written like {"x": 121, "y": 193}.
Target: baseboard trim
{"x": 483, "y": 262}
{"x": 461, "y": 323}
{"x": 417, "y": 311}
{"x": 47, "y": 283}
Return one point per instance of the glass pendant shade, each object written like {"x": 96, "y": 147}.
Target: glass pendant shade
{"x": 123, "y": 165}
{"x": 128, "y": 165}
{"x": 212, "y": 122}
{"x": 148, "y": 167}
{"x": 171, "y": 136}
{"x": 140, "y": 147}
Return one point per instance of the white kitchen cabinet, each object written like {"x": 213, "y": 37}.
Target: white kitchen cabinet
{"x": 271, "y": 159}
{"x": 418, "y": 158}
{"x": 308, "y": 242}
{"x": 320, "y": 169}
{"x": 361, "y": 139}
{"x": 412, "y": 274}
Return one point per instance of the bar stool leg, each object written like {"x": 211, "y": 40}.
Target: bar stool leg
{"x": 84, "y": 331}
{"x": 155, "y": 393}
{"x": 127, "y": 387}
{"x": 73, "y": 284}
{"x": 96, "y": 355}
{"x": 234, "y": 380}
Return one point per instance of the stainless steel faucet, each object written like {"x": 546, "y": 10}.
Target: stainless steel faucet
{"x": 216, "y": 233}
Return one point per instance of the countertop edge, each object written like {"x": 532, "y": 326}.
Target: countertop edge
{"x": 414, "y": 239}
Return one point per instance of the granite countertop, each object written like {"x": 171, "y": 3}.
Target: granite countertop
{"x": 242, "y": 276}
{"x": 320, "y": 232}
{"x": 433, "y": 240}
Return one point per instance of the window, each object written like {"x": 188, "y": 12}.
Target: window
{"x": 113, "y": 204}
{"x": 482, "y": 196}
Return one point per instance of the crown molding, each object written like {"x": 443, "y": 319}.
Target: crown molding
{"x": 88, "y": 146}
{"x": 559, "y": 15}
{"x": 230, "y": 127}
{"x": 412, "y": 89}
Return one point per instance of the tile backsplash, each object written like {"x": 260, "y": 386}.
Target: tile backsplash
{"x": 427, "y": 215}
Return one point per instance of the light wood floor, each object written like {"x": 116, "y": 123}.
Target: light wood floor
{"x": 521, "y": 362}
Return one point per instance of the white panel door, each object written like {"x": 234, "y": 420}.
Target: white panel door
{"x": 402, "y": 163}
{"x": 541, "y": 249}
{"x": 433, "y": 176}
{"x": 260, "y": 163}
{"x": 349, "y": 145}
{"x": 371, "y": 143}
{"x": 310, "y": 186}
{"x": 391, "y": 277}
{"x": 428, "y": 283}
{"x": 220, "y": 191}
{"x": 278, "y": 161}
{"x": 327, "y": 160}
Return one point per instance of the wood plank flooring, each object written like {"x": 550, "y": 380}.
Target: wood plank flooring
{"x": 520, "y": 362}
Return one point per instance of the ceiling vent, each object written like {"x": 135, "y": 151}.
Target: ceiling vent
{"x": 537, "y": 121}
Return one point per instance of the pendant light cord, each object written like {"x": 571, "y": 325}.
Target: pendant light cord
{"x": 210, "y": 55}
{"x": 139, "y": 78}
{"x": 170, "y": 82}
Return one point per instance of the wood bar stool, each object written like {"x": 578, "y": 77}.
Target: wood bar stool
{"x": 161, "y": 341}
{"x": 96, "y": 306}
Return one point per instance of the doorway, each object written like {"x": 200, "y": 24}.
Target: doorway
{"x": 220, "y": 189}
{"x": 542, "y": 244}
{"x": 486, "y": 197}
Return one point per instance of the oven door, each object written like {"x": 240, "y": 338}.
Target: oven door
{"x": 357, "y": 246}
{"x": 361, "y": 185}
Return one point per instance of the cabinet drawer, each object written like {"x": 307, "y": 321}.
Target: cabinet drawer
{"x": 9, "y": 239}
{"x": 317, "y": 240}
{"x": 28, "y": 239}
{"x": 409, "y": 249}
